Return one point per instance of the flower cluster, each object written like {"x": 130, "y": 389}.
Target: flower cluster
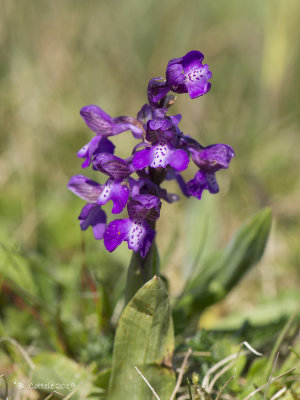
{"x": 162, "y": 153}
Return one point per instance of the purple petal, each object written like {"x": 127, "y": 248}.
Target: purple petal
{"x": 175, "y": 77}
{"x": 96, "y": 145}
{"x": 202, "y": 180}
{"x": 179, "y": 160}
{"x": 214, "y": 157}
{"x": 144, "y": 206}
{"x": 85, "y": 188}
{"x": 97, "y": 120}
{"x": 145, "y": 114}
{"x": 122, "y": 124}
{"x": 115, "y": 233}
{"x": 157, "y": 90}
{"x": 142, "y": 159}
{"x": 92, "y": 215}
{"x": 138, "y": 235}
{"x": 187, "y": 74}
{"x": 147, "y": 242}
{"x": 111, "y": 165}
{"x": 119, "y": 194}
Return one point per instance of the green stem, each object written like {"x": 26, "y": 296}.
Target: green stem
{"x": 141, "y": 270}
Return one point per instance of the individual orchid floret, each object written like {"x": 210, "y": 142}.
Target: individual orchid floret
{"x": 103, "y": 124}
{"x": 85, "y": 188}
{"x": 188, "y": 75}
{"x": 135, "y": 230}
{"x": 160, "y": 155}
{"x": 111, "y": 165}
{"x": 213, "y": 158}
{"x": 93, "y": 192}
{"x": 96, "y": 145}
{"x": 92, "y": 215}
{"x": 210, "y": 160}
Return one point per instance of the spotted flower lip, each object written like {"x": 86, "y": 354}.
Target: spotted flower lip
{"x": 161, "y": 155}
{"x": 188, "y": 75}
{"x": 116, "y": 192}
{"x": 103, "y": 124}
{"x": 213, "y": 158}
{"x": 135, "y": 229}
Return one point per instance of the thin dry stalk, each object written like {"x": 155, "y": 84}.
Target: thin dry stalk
{"x": 223, "y": 387}
{"x": 150, "y": 387}
{"x": 263, "y": 386}
{"x": 278, "y": 394}
{"x": 218, "y": 375}
{"x": 180, "y": 376}
{"x": 205, "y": 382}
{"x": 270, "y": 377}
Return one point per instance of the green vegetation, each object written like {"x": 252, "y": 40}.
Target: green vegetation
{"x": 61, "y": 293}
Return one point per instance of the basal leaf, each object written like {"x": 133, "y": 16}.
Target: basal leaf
{"x": 221, "y": 272}
{"x": 144, "y": 339}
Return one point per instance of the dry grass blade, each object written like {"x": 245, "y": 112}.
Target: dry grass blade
{"x": 150, "y": 387}
{"x": 278, "y": 394}
{"x": 205, "y": 382}
{"x": 246, "y": 344}
{"x": 179, "y": 379}
{"x": 21, "y": 350}
{"x": 223, "y": 387}
{"x": 272, "y": 380}
{"x": 218, "y": 375}
{"x": 270, "y": 377}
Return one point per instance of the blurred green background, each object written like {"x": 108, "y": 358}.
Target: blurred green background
{"x": 57, "y": 57}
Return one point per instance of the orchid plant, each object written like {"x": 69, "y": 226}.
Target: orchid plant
{"x": 145, "y": 336}
{"x": 162, "y": 153}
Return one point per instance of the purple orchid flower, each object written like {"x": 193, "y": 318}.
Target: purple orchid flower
{"x": 93, "y": 192}
{"x": 91, "y": 214}
{"x": 188, "y": 75}
{"x": 161, "y": 154}
{"x": 96, "y": 145}
{"x": 213, "y": 157}
{"x": 103, "y": 124}
{"x": 135, "y": 230}
{"x": 210, "y": 160}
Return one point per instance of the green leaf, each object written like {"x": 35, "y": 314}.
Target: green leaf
{"x": 144, "y": 339}
{"x": 55, "y": 372}
{"x": 223, "y": 271}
